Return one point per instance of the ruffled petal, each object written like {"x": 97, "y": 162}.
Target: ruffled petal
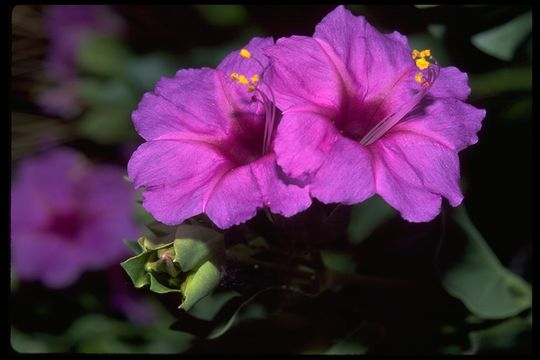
{"x": 372, "y": 58}
{"x": 277, "y": 194}
{"x": 413, "y": 172}
{"x": 234, "y": 198}
{"x": 303, "y": 74}
{"x": 346, "y": 175}
{"x": 451, "y": 83}
{"x": 447, "y": 120}
{"x": 303, "y": 140}
{"x": 176, "y": 176}
{"x": 192, "y": 101}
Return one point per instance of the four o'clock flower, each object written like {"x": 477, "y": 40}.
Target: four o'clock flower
{"x": 68, "y": 217}
{"x": 209, "y": 144}
{"x": 363, "y": 114}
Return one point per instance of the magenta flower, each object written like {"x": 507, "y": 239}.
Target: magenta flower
{"x": 68, "y": 217}
{"x": 209, "y": 145}
{"x": 362, "y": 114}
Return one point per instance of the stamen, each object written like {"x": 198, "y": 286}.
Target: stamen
{"x": 245, "y": 53}
{"x": 242, "y": 79}
{"x": 422, "y": 63}
{"x": 425, "y": 78}
{"x": 425, "y": 53}
{"x": 253, "y": 85}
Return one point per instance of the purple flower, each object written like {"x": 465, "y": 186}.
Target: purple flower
{"x": 67, "y": 26}
{"x": 68, "y": 217}
{"x": 209, "y": 145}
{"x": 362, "y": 114}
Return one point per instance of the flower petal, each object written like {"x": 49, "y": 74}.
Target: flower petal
{"x": 447, "y": 120}
{"x": 373, "y": 59}
{"x": 279, "y": 195}
{"x": 303, "y": 74}
{"x": 235, "y": 63}
{"x": 192, "y": 101}
{"x": 451, "y": 83}
{"x": 234, "y": 198}
{"x": 239, "y": 96}
{"x": 346, "y": 175}
{"x": 413, "y": 171}
{"x": 176, "y": 176}
{"x": 303, "y": 140}
{"x": 243, "y": 190}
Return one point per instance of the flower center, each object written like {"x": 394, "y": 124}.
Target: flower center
{"x": 66, "y": 225}
{"x": 425, "y": 77}
{"x": 254, "y": 84}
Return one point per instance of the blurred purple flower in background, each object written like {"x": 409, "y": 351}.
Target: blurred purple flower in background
{"x": 67, "y": 26}
{"x": 362, "y": 116}
{"x": 210, "y": 147}
{"x": 67, "y": 217}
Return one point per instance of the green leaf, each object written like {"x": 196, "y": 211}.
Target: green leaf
{"x": 351, "y": 345}
{"x": 425, "y": 6}
{"x": 104, "y": 56}
{"x": 159, "y": 288}
{"x": 208, "y": 307}
{"x": 437, "y": 30}
{"x": 338, "y": 261}
{"x": 192, "y": 252}
{"x": 107, "y": 93}
{"x": 195, "y": 244}
{"x": 223, "y": 15}
{"x": 501, "y": 42}
{"x": 200, "y": 283}
{"x": 145, "y": 71}
{"x": 501, "y": 336}
{"x": 478, "y": 279}
{"x": 134, "y": 267}
{"x": 367, "y": 217}
{"x": 107, "y": 125}
{"x": 237, "y": 315}
{"x": 501, "y": 81}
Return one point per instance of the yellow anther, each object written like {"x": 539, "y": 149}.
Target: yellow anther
{"x": 425, "y": 53}
{"x": 418, "y": 77}
{"x": 245, "y": 53}
{"x": 422, "y": 63}
{"x": 251, "y": 88}
{"x": 255, "y": 78}
{"x": 234, "y": 76}
{"x": 415, "y": 53}
{"x": 242, "y": 80}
